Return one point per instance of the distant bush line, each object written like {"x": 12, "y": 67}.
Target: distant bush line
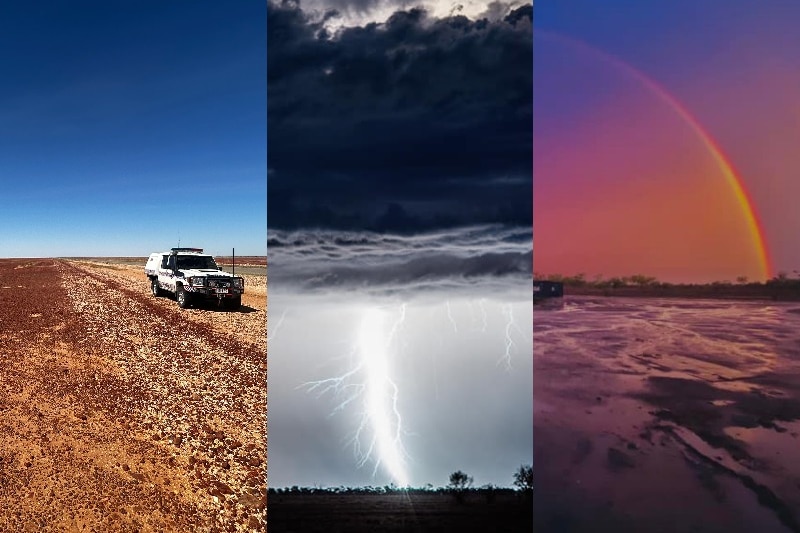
{"x": 780, "y": 287}
{"x": 391, "y": 489}
{"x": 460, "y": 485}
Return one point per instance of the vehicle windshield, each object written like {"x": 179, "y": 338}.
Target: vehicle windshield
{"x": 196, "y": 261}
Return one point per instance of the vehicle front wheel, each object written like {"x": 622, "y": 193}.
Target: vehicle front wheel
{"x": 155, "y": 288}
{"x": 183, "y": 297}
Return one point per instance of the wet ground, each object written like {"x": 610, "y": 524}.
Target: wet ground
{"x": 666, "y": 415}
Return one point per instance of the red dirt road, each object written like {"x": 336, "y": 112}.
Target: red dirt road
{"x": 122, "y": 412}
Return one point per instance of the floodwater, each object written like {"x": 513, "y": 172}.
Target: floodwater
{"x": 666, "y": 415}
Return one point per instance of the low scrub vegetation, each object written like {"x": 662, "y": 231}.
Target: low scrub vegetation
{"x": 780, "y": 287}
{"x": 460, "y": 485}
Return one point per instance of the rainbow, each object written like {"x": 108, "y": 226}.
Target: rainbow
{"x": 755, "y": 228}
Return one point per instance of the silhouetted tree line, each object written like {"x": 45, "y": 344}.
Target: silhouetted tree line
{"x": 460, "y": 486}
{"x": 779, "y": 287}
{"x": 388, "y": 489}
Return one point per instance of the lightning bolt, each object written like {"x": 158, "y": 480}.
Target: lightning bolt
{"x": 368, "y": 384}
{"x": 483, "y": 314}
{"x": 397, "y": 323}
{"x": 509, "y": 314}
{"x": 379, "y": 433}
{"x": 338, "y": 386}
{"x": 277, "y": 326}
{"x": 450, "y": 316}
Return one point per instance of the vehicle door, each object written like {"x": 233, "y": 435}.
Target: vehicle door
{"x": 166, "y": 274}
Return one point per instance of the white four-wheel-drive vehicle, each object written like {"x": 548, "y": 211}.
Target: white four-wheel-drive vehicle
{"x": 191, "y": 275}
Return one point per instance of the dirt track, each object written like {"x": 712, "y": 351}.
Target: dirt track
{"x": 122, "y": 412}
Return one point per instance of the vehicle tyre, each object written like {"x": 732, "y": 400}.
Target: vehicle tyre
{"x": 182, "y": 296}
{"x": 233, "y": 303}
{"x": 155, "y": 288}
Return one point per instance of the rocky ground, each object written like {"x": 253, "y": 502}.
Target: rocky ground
{"x": 120, "y": 411}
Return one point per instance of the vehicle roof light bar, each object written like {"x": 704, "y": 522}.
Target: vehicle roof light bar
{"x": 187, "y": 250}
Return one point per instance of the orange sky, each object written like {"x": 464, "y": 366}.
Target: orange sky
{"x": 630, "y": 188}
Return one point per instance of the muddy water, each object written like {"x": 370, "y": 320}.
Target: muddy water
{"x": 666, "y": 415}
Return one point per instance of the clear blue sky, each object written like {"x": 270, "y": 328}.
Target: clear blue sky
{"x": 126, "y": 125}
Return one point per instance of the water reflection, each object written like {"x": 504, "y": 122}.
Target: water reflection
{"x": 642, "y": 401}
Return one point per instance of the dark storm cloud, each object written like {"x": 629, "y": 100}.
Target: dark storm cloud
{"x": 369, "y": 9}
{"x": 402, "y": 126}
